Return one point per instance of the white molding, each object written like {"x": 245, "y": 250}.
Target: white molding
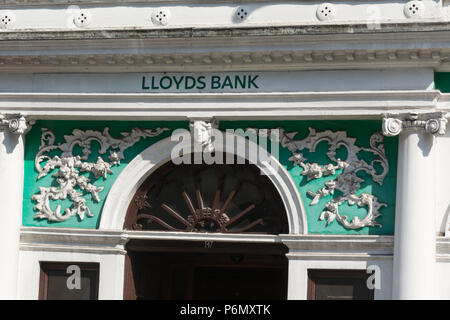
{"x": 300, "y": 245}
{"x": 287, "y": 59}
{"x": 192, "y": 236}
{"x": 145, "y": 163}
{"x": 443, "y": 249}
{"x": 254, "y": 47}
{"x": 338, "y": 247}
{"x": 116, "y": 239}
{"x": 257, "y": 106}
{"x": 72, "y": 240}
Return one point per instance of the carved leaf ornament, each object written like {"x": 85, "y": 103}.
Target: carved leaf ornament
{"x": 72, "y": 183}
{"x": 347, "y": 181}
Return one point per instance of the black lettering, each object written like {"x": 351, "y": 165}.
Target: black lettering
{"x": 144, "y": 87}
{"x": 242, "y": 82}
{"x": 251, "y": 82}
{"x": 186, "y": 83}
{"x": 161, "y": 82}
{"x": 201, "y": 80}
{"x": 227, "y": 83}
{"x": 215, "y": 82}
{"x": 177, "y": 83}
{"x": 153, "y": 84}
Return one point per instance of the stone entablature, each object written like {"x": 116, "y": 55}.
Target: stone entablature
{"x": 296, "y": 47}
{"x": 47, "y": 14}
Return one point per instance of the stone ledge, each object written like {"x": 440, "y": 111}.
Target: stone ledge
{"x": 225, "y": 32}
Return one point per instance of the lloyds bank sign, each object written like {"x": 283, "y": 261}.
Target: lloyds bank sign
{"x": 200, "y": 83}
{"x": 210, "y": 82}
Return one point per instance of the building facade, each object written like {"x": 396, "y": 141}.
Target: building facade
{"x": 218, "y": 149}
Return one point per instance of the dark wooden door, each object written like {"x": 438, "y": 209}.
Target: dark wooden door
{"x": 203, "y": 275}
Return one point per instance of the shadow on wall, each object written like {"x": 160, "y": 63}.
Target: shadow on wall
{"x": 10, "y": 141}
{"x": 425, "y": 143}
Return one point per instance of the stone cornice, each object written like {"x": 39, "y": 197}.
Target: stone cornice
{"x": 72, "y": 240}
{"x": 178, "y": 106}
{"x": 244, "y": 48}
{"x": 348, "y": 30}
{"x": 258, "y": 60}
{"x": 230, "y": 31}
{"x": 307, "y": 246}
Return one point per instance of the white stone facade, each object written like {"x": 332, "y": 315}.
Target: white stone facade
{"x": 349, "y": 60}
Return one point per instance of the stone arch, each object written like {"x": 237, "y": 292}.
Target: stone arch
{"x": 145, "y": 163}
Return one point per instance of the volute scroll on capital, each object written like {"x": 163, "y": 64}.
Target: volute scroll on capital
{"x": 433, "y": 123}
{"x": 15, "y": 123}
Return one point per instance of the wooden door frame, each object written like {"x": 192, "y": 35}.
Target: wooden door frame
{"x": 46, "y": 266}
{"x": 315, "y": 274}
{"x": 258, "y": 253}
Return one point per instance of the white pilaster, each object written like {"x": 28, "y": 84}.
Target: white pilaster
{"x": 297, "y": 279}
{"x": 11, "y": 188}
{"x": 415, "y": 235}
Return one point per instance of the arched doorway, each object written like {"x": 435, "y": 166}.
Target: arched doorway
{"x": 149, "y": 160}
{"x": 225, "y": 199}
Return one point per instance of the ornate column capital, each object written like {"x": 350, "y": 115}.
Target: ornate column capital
{"x": 15, "y": 123}
{"x": 434, "y": 123}
{"x": 202, "y": 132}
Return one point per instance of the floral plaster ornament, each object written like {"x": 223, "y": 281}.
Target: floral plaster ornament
{"x": 72, "y": 184}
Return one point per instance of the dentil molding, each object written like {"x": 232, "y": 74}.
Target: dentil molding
{"x": 433, "y": 123}
{"x": 256, "y": 59}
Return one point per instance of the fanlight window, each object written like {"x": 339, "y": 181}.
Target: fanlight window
{"x": 207, "y": 198}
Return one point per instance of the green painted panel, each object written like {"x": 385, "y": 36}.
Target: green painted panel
{"x": 362, "y": 131}
{"x": 442, "y": 81}
{"x": 61, "y": 128}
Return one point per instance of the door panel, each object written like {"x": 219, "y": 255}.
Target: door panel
{"x": 178, "y": 275}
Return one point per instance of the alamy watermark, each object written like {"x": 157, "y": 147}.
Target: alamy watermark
{"x": 205, "y": 144}
{"x": 74, "y": 280}
{"x": 374, "y": 280}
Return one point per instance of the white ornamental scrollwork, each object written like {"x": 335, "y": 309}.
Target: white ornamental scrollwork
{"x": 71, "y": 181}
{"x": 433, "y": 123}
{"x": 347, "y": 181}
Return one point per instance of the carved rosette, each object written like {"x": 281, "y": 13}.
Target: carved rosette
{"x": 69, "y": 177}
{"x": 16, "y": 124}
{"x": 347, "y": 182}
{"x": 433, "y": 123}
